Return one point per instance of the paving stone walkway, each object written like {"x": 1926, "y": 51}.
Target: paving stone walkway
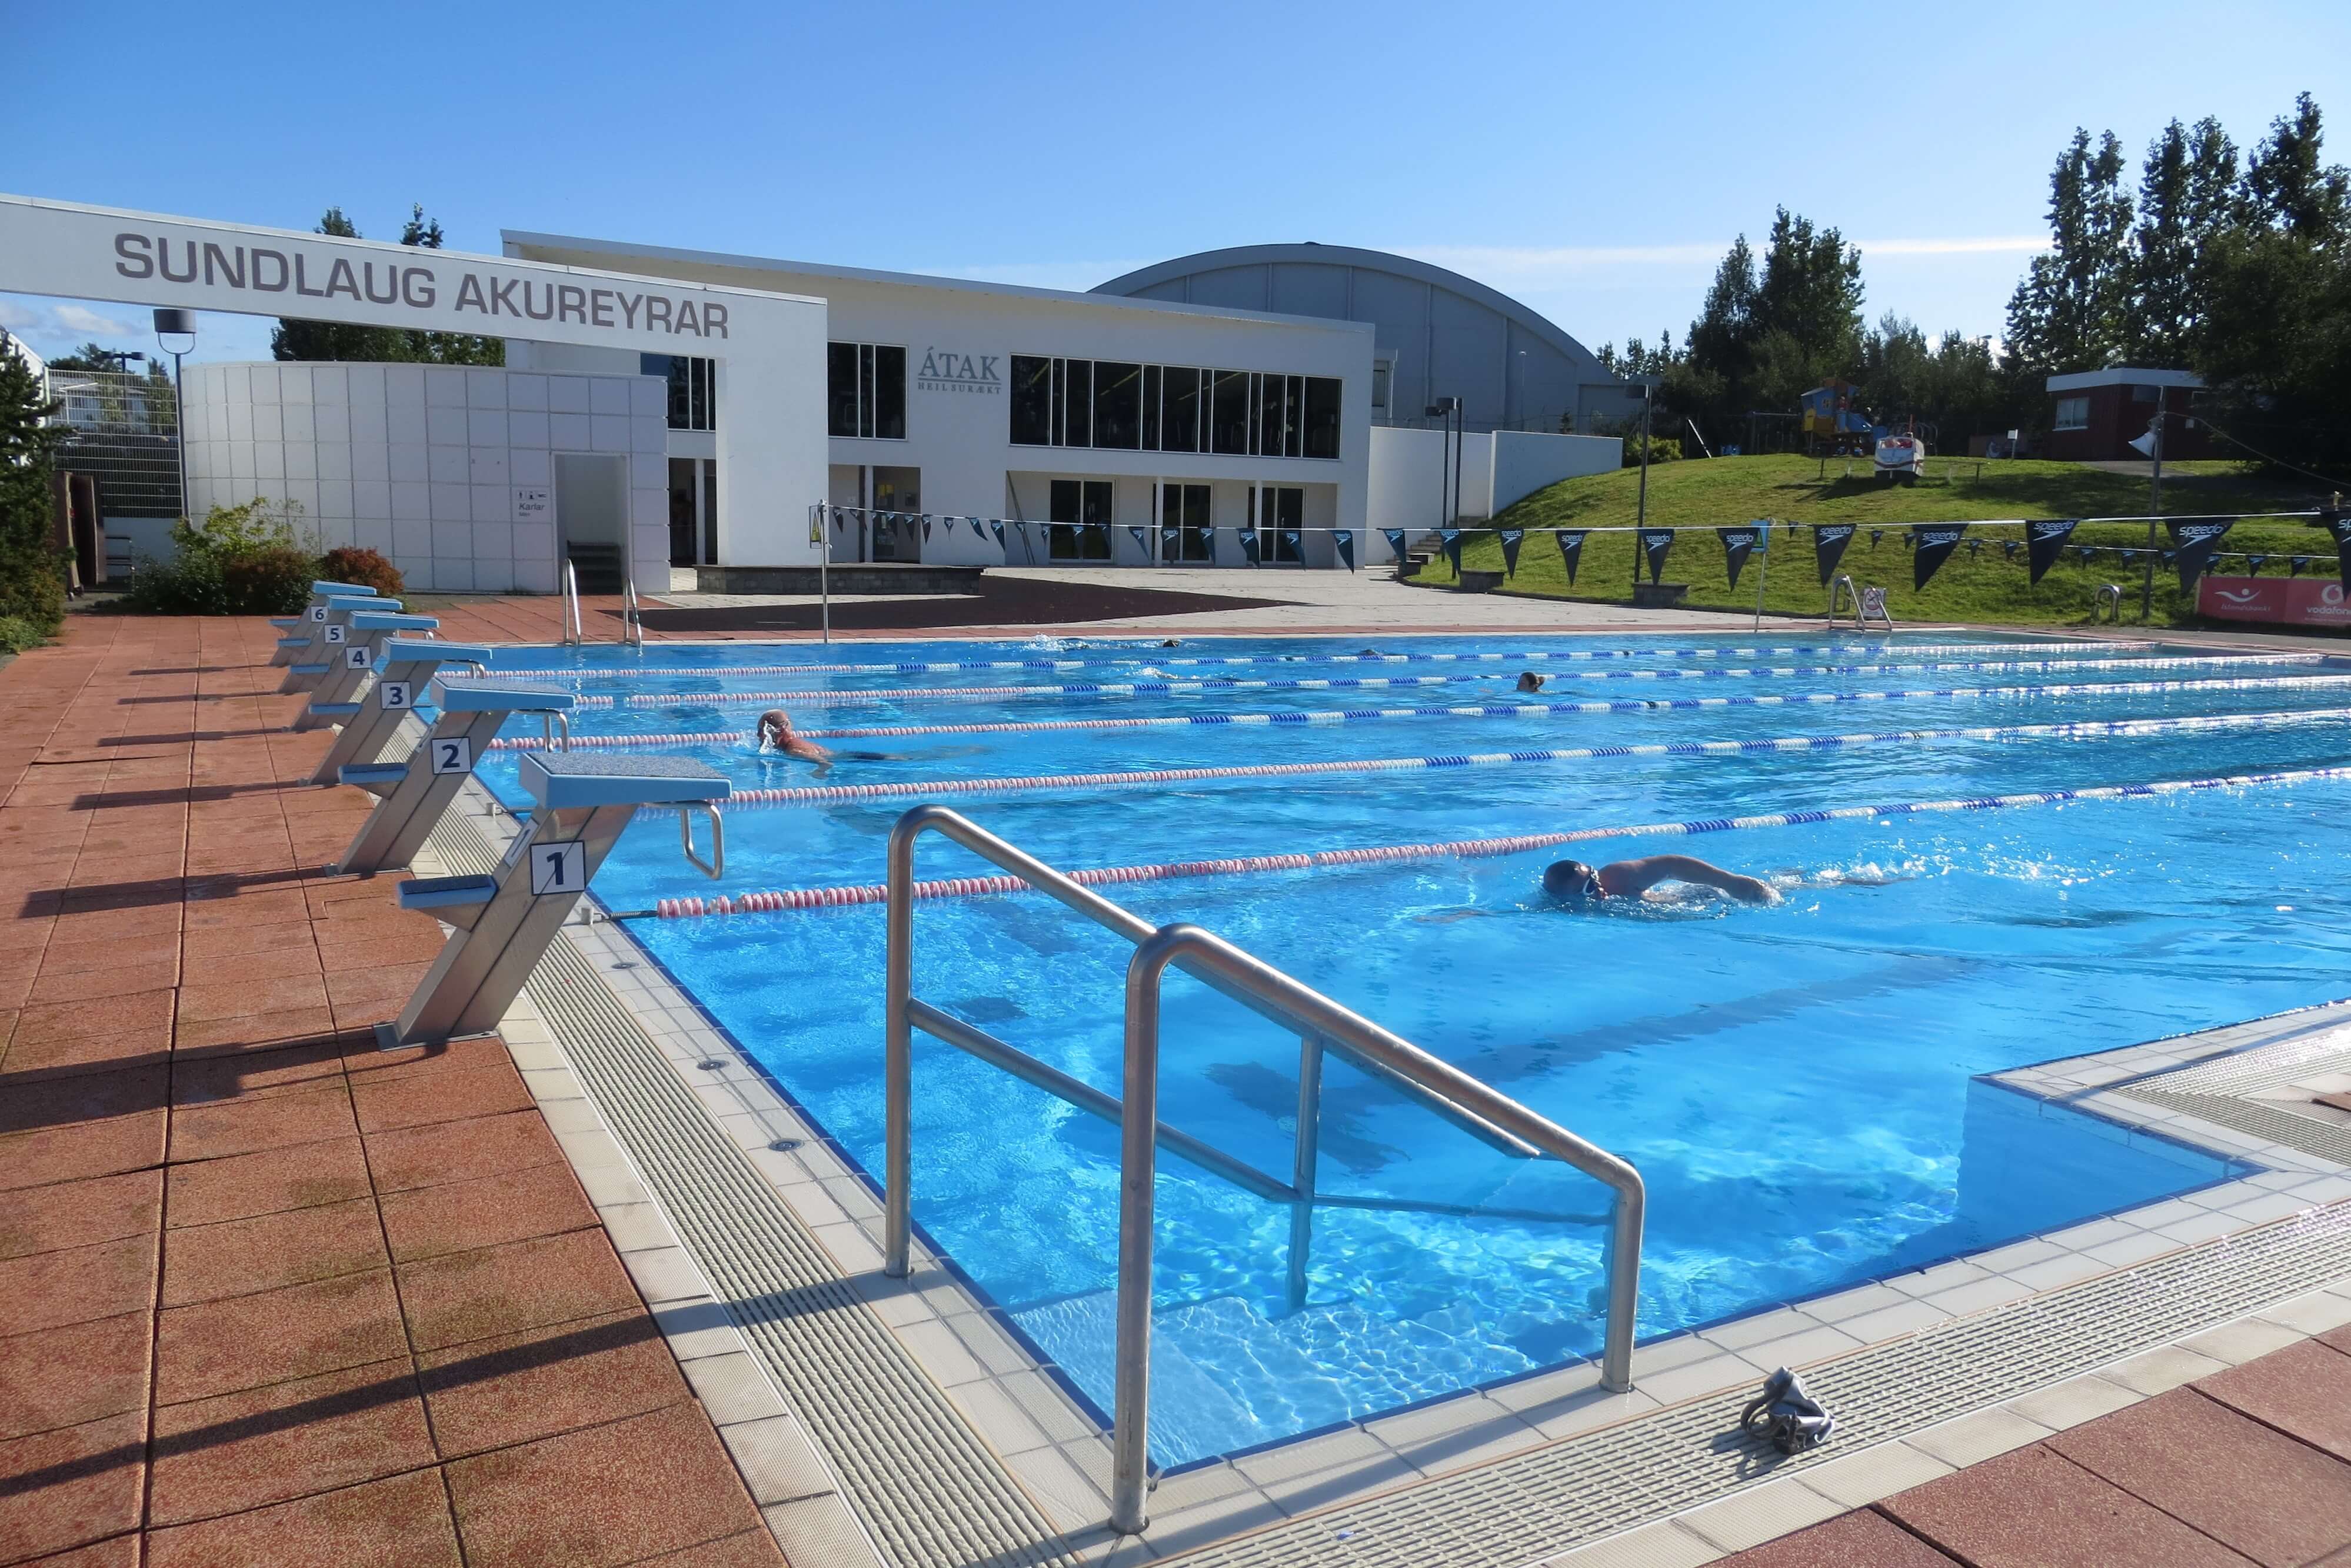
{"x": 268, "y": 1295}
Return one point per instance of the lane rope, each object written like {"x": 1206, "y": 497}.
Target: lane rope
{"x": 819, "y": 696}
{"x": 1322, "y": 717}
{"x": 834, "y": 794}
{"x": 1458, "y": 849}
{"x": 1145, "y": 652}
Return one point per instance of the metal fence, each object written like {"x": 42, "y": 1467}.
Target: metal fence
{"x": 125, "y": 430}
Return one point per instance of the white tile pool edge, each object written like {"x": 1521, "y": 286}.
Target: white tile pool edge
{"x": 1050, "y": 1447}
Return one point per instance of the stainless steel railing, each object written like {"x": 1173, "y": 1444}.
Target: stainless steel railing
{"x": 633, "y": 622}
{"x": 1323, "y": 1026}
{"x": 574, "y": 633}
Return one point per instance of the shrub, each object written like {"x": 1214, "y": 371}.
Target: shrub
{"x": 240, "y": 560}
{"x": 17, "y": 634}
{"x": 32, "y": 571}
{"x": 1662, "y": 449}
{"x": 351, "y": 563}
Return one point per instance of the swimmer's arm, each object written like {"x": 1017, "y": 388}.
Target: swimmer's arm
{"x": 1448, "y": 916}
{"x": 1637, "y": 877}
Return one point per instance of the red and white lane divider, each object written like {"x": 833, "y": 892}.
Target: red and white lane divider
{"x": 926, "y": 788}
{"x": 1150, "y": 654}
{"x": 1458, "y": 849}
{"x": 1324, "y": 717}
{"x": 816, "y": 696}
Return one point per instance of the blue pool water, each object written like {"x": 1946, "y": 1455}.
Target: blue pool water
{"x": 1798, "y": 1085}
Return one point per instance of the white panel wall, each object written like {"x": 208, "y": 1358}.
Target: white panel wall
{"x": 1525, "y": 460}
{"x": 1497, "y": 470}
{"x": 423, "y": 462}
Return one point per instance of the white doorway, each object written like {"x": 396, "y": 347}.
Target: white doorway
{"x": 591, "y": 519}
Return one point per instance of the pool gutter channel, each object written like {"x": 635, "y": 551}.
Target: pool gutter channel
{"x": 896, "y": 1423}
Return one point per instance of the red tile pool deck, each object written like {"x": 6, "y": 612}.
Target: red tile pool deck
{"x": 268, "y": 1295}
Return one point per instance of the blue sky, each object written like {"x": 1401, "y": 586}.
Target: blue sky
{"x": 1591, "y": 161}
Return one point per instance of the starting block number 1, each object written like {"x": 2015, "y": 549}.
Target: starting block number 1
{"x": 396, "y": 693}
{"x": 559, "y": 868}
{"x": 455, "y": 756}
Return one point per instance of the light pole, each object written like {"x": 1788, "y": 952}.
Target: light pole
{"x": 175, "y": 334}
{"x": 1648, "y": 386}
{"x": 1443, "y": 409}
{"x": 2154, "y": 449}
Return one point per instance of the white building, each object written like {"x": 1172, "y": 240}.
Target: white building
{"x": 1164, "y": 427}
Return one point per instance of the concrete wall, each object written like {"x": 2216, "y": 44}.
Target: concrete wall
{"x": 423, "y": 462}
{"x": 1497, "y": 468}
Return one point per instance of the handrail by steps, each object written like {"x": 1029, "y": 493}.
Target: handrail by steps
{"x": 1322, "y": 1025}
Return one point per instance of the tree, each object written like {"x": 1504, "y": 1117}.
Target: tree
{"x": 1765, "y": 335}
{"x": 2070, "y": 311}
{"x": 1810, "y": 293}
{"x": 32, "y": 581}
{"x": 297, "y": 340}
{"x": 2287, "y": 188}
{"x": 2187, "y": 197}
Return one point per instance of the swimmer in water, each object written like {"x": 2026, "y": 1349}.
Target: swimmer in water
{"x": 776, "y": 729}
{"x": 1531, "y": 682}
{"x": 1575, "y": 884}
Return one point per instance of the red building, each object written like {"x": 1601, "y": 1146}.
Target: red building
{"x": 2095, "y": 415}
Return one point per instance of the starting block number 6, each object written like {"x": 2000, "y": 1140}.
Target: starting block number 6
{"x": 317, "y": 613}
{"x": 454, "y": 756}
{"x": 559, "y": 868}
{"x": 396, "y": 695}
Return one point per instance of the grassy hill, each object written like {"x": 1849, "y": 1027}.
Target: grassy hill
{"x": 1983, "y": 586}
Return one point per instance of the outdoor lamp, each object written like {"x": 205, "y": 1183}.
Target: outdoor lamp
{"x": 175, "y": 334}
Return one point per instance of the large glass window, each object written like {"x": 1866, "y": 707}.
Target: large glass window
{"x": 1322, "y": 417}
{"x": 1032, "y": 401}
{"x": 1118, "y": 404}
{"x": 693, "y": 391}
{"x": 865, "y": 390}
{"x": 2073, "y": 413}
{"x": 1112, "y": 404}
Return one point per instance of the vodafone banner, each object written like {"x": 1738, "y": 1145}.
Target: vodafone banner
{"x": 2280, "y": 601}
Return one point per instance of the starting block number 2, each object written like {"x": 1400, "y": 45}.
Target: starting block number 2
{"x": 452, "y": 756}
{"x": 559, "y": 868}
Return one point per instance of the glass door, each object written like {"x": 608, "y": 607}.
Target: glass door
{"x": 1279, "y": 511}
{"x": 1084, "y": 502}
{"x": 1185, "y": 508}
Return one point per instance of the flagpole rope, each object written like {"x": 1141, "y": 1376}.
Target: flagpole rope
{"x": 835, "y": 794}
{"x": 818, "y": 696}
{"x": 1318, "y": 717}
{"x": 1458, "y": 849}
{"x": 1146, "y": 656}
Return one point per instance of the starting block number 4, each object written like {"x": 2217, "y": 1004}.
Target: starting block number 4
{"x": 337, "y": 633}
{"x": 454, "y": 755}
{"x": 559, "y": 868}
{"x": 396, "y": 695}
{"x": 355, "y": 654}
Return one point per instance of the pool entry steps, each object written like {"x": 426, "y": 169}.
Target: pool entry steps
{"x": 1494, "y": 1119}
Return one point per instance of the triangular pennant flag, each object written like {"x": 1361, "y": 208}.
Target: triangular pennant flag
{"x": 1142, "y": 539}
{"x": 2167, "y": 556}
{"x": 1248, "y": 542}
{"x": 1511, "y": 537}
{"x": 1655, "y": 543}
{"x": 2128, "y": 557}
{"x": 1829, "y": 542}
{"x": 999, "y": 535}
{"x": 1396, "y": 541}
{"x": 2339, "y": 525}
{"x": 979, "y": 533}
{"x": 1290, "y": 536}
{"x": 2193, "y": 543}
{"x": 2295, "y": 565}
{"x": 926, "y": 525}
{"x": 1737, "y": 544}
{"x": 839, "y": 517}
{"x": 1208, "y": 543}
{"x": 2044, "y": 539}
{"x": 1975, "y": 548}
{"x": 2253, "y": 564}
{"x": 1935, "y": 546}
{"x": 2008, "y": 549}
{"x": 1450, "y": 539}
{"x": 1876, "y": 537}
{"x": 1344, "y": 540}
{"x": 1571, "y": 550}
{"x": 1169, "y": 538}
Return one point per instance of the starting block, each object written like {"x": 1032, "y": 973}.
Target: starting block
{"x": 330, "y": 629}
{"x": 408, "y": 668}
{"x": 298, "y": 628}
{"x": 505, "y": 919}
{"x": 340, "y": 689}
{"x": 417, "y": 791}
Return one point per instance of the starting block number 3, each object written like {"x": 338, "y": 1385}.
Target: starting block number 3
{"x": 559, "y": 868}
{"x": 454, "y": 755}
{"x": 396, "y": 695}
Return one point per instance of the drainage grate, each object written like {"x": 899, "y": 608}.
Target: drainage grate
{"x": 1590, "y": 1486}
{"x": 927, "y": 1490}
{"x": 2221, "y": 1091}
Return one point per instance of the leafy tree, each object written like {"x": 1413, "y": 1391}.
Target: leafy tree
{"x": 297, "y": 340}
{"x": 1766, "y": 334}
{"x": 32, "y": 579}
{"x": 1811, "y": 293}
{"x": 94, "y": 356}
{"x": 2070, "y": 311}
{"x": 2186, "y": 198}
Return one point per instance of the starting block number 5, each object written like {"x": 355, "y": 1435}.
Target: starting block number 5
{"x": 337, "y": 633}
{"x": 559, "y": 868}
{"x": 454, "y": 755}
{"x": 396, "y": 695}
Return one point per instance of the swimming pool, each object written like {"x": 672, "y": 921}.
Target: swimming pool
{"x": 1799, "y": 1086}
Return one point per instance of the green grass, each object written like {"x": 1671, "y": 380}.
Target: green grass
{"x": 1985, "y": 587}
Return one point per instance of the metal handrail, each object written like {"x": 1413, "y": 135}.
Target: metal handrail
{"x": 573, "y": 633}
{"x": 2107, "y": 598}
{"x": 1322, "y": 1025}
{"x": 1841, "y": 586}
{"x": 633, "y": 624}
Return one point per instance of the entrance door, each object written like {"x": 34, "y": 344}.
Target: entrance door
{"x": 897, "y": 507}
{"x": 591, "y": 519}
{"x": 1279, "y": 511}
{"x": 1185, "y": 508}
{"x": 1086, "y": 502}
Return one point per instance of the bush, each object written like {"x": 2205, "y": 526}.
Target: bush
{"x": 240, "y": 560}
{"x": 17, "y": 634}
{"x": 349, "y": 563}
{"x": 1662, "y": 449}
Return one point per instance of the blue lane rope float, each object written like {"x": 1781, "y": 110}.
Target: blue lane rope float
{"x": 836, "y": 794}
{"x": 1462, "y": 849}
{"x": 1146, "y": 655}
{"x": 816, "y": 697}
{"x": 1317, "y": 717}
